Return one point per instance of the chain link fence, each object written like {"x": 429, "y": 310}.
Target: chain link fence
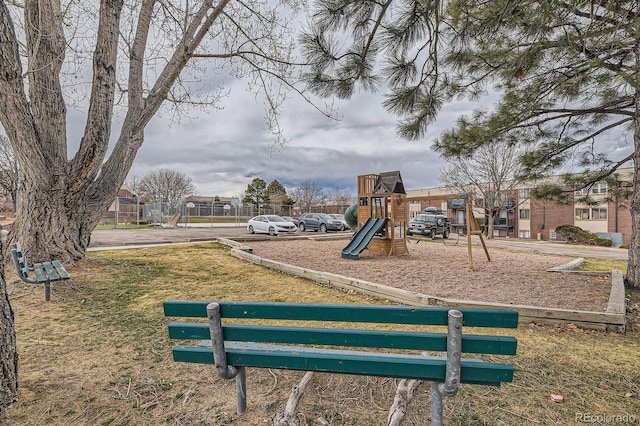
{"x": 131, "y": 211}
{"x": 159, "y": 214}
{"x": 123, "y": 211}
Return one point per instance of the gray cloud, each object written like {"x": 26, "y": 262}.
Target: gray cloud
{"x": 224, "y": 150}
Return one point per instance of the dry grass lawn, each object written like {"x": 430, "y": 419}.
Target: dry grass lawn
{"x": 99, "y": 354}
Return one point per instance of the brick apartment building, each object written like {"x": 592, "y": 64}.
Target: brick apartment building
{"x": 528, "y": 218}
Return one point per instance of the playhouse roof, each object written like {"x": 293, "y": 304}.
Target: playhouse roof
{"x": 389, "y": 183}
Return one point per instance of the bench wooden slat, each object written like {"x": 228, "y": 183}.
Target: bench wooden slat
{"x": 64, "y": 275}
{"x": 358, "y": 313}
{"x": 51, "y": 272}
{"x": 41, "y": 275}
{"x": 346, "y": 337}
{"x": 346, "y": 362}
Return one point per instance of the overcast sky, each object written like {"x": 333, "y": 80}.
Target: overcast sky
{"x": 223, "y": 150}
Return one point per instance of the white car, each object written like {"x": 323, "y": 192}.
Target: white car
{"x": 340, "y": 217}
{"x": 270, "y": 224}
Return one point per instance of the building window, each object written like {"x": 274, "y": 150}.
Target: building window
{"x": 599, "y": 188}
{"x": 524, "y": 234}
{"x": 582, "y": 214}
{"x": 598, "y": 213}
{"x": 525, "y": 214}
{"x": 523, "y": 193}
{"x": 596, "y": 188}
{"x": 552, "y": 234}
{"x": 499, "y": 232}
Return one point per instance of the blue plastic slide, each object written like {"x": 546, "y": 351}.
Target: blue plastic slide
{"x": 362, "y": 238}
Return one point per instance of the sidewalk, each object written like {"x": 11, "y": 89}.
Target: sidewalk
{"x": 543, "y": 247}
{"x": 558, "y": 248}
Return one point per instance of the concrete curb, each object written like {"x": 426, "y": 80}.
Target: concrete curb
{"x": 567, "y": 266}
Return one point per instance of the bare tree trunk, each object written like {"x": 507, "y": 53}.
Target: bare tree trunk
{"x": 632, "y": 279}
{"x": 491, "y": 219}
{"x": 8, "y": 352}
{"x": 52, "y": 222}
{"x": 288, "y": 416}
{"x": 401, "y": 402}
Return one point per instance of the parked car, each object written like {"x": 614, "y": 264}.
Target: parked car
{"x": 270, "y": 224}
{"x": 318, "y": 222}
{"x": 430, "y": 224}
{"x": 340, "y": 217}
{"x": 290, "y": 219}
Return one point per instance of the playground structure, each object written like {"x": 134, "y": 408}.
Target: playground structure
{"x": 381, "y": 216}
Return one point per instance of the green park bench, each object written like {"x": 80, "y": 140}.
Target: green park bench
{"x": 40, "y": 273}
{"x": 232, "y": 347}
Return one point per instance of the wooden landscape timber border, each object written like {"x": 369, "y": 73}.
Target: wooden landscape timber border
{"x": 612, "y": 319}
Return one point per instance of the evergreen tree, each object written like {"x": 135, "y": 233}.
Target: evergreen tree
{"x": 278, "y": 194}
{"x": 565, "y": 73}
{"x": 256, "y": 192}
{"x": 276, "y": 189}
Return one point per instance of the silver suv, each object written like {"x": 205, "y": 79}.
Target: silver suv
{"x": 430, "y": 225}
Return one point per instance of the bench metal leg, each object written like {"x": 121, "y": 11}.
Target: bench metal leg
{"x": 452, "y": 374}
{"x": 241, "y": 390}
{"x": 436, "y": 405}
{"x": 47, "y": 291}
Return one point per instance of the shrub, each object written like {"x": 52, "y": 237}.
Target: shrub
{"x": 577, "y": 235}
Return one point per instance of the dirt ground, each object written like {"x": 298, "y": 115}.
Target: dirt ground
{"x": 441, "y": 270}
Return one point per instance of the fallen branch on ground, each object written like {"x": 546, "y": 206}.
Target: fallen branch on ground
{"x": 288, "y": 416}
{"x": 404, "y": 395}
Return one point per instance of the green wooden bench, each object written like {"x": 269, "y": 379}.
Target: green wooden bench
{"x": 40, "y": 273}
{"x": 232, "y": 347}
